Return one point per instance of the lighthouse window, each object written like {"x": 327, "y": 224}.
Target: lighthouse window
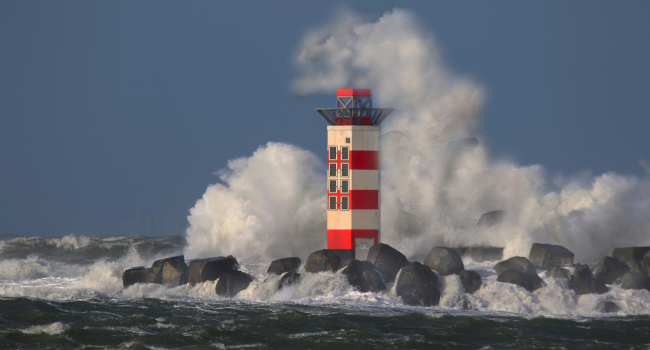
{"x": 345, "y": 154}
{"x": 344, "y": 186}
{"x": 344, "y": 203}
{"x": 333, "y": 169}
{"x": 332, "y": 186}
{"x": 333, "y": 153}
{"x": 347, "y": 140}
{"x": 333, "y": 203}
{"x": 345, "y": 169}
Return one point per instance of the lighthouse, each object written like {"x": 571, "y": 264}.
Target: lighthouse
{"x": 353, "y": 177}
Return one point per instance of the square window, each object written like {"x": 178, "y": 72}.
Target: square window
{"x": 345, "y": 153}
{"x": 333, "y": 169}
{"x": 345, "y": 169}
{"x": 333, "y": 154}
{"x": 344, "y": 186}
{"x": 345, "y": 203}
{"x": 332, "y": 188}
{"x": 347, "y": 140}
{"x": 332, "y": 205}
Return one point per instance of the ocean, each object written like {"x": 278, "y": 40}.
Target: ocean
{"x": 66, "y": 293}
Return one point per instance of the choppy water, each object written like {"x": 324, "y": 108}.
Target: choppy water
{"x": 67, "y": 293}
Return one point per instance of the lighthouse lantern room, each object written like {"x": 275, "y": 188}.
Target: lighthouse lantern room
{"x": 353, "y": 178}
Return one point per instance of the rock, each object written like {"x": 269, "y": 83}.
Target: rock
{"x": 417, "y": 285}
{"x": 445, "y": 261}
{"x": 633, "y": 280}
{"x": 606, "y": 307}
{"x": 169, "y": 271}
{"x": 135, "y": 275}
{"x": 281, "y": 266}
{"x": 362, "y": 275}
{"x": 632, "y": 256}
{"x": 610, "y": 269}
{"x": 585, "y": 283}
{"x": 645, "y": 263}
{"x": 387, "y": 260}
{"x": 518, "y": 263}
{"x": 471, "y": 280}
{"x": 548, "y": 256}
{"x": 481, "y": 254}
{"x": 529, "y": 281}
{"x": 289, "y": 279}
{"x": 232, "y": 282}
{"x": 558, "y": 272}
{"x": 322, "y": 260}
{"x": 492, "y": 218}
{"x": 203, "y": 270}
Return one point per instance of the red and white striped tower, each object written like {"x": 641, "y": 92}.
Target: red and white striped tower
{"x": 353, "y": 178}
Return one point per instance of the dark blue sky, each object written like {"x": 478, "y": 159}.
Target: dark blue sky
{"x": 118, "y": 112}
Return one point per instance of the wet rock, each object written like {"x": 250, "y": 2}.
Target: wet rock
{"x": 169, "y": 271}
{"x": 417, "y": 285}
{"x": 322, "y": 260}
{"x": 135, "y": 275}
{"x": 387, "y": 260}
{"x": 492, "y": 218}
{"x": 210, "y": 269}
{"x": 558, "y": 272}
{"x": 471, "y": 281}
{"x": 610, "y": 269}
{"x": 529, "y": 281}
{"x": 232, "y": 282}
{"x": 633, "y": 280}
{"x": 632, "y": 256}
{"x": 548, "y": 256}
{"x": 585, "y": 283}
{"x": 518, "y": 263}
{"x": 362, "y": 275}
{"x": 645, "y": 263}
{"x": 445, "y": 261}
{"x": 281, "y": 266}
{"x": 607, "y": 307}
{"x": 289, "y": 279}
{"x": 480, "y": 254}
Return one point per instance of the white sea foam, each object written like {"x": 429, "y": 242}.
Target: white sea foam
{"x": 53, "y": 328}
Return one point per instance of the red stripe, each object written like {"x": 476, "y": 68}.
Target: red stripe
{"x": 364, "y": 160}
{"x": 349, "y": 92}
{"x": 344, "y": 239}
{"x": 364, "y": 199}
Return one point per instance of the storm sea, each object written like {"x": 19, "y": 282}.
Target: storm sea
{"x": 67, "y": 293}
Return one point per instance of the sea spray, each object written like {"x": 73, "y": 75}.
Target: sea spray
{"x": 272, "y": 207}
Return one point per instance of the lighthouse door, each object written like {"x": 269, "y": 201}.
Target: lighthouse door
{"x": 361, "y": 247}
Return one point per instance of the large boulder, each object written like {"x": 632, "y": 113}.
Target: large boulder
{"x": 481, "y": 254}
{"x": 232, "y": 282}
{"x": 632, "y": 256}
{"x": 445, "y": 261}
{"x": 417, "y": 285}
{"x": 289, "y": 279}
{"x": 471, "y": 280}
{"x": 585, "y": 283}
{"x": 529, "y": 281}
{"x": 362, "y": 275}
{"x": 387, "y": 260}
{"x": 210, "y": 269}
{"x": 607, "y": 307}
{"x": 135, "y": 275}
{"x": 633, "y": 280}
{"x": 518, "y": 263}
{"x": 169, "y": 271}
{"x": 492, "y": 218}
{"x": 281, "y": 266}
{"x": 548, "y": 256}
{"x": 610, "y": 269}
{"x": 322, "y": 260}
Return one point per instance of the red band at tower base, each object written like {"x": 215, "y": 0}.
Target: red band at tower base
{"x": 344, "y": 239}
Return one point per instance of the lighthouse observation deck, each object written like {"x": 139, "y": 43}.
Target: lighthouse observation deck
{"x": 354, "y": 107}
